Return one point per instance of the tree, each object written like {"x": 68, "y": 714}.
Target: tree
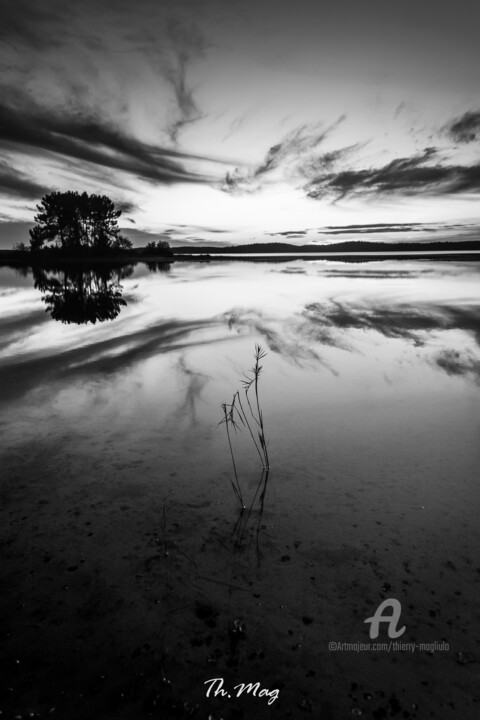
{"x": 161, "y": 246}
{"x": 75, "y": 222}
{"x": 20, "y": 247}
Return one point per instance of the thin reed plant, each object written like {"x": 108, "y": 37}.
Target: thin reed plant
{"x": 245, "y": 412}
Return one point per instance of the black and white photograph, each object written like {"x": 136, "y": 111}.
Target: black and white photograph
{"x": 239, "y": 360}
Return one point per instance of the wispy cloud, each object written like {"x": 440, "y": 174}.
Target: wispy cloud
{"x": 372, "y": 228}
{"x": 87, "y": 71}
{"x": 28, "y": 129}
{"x": 403, "y": 176}
{"x": 16, "y": 184}
{"x": 311, "y": 166}
{"x": 296, "y": 143}
{"x": 457, "y": 363}
{"x": 291, "y": 154}
{"x": 466, "y": 128}
{"x": 125, "y": 206}
{"x": 187, "y": 45}
{"x": 240, "y": 182}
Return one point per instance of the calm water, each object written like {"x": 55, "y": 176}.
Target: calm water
{"x": 371, "y": 398}
{"x": 355, "y": 352}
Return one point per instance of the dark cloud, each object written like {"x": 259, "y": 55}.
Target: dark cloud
{"x": 466, "y": 128}
{"x": 197, "y": 228}
{"x": 26, "y": 128}
{"x": 16, "y": 184}
{"x": 75, "y": 47}
{"x": 459, "y": 364}
{"x": 288, "y": 233}
{"x": 126, "y": 207}
{"x": 239, "y": 182}
{"x": 375, "y": 228}
{"x": 405, "y": 176}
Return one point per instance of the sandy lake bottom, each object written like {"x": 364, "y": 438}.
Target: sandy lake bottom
{"x": 131, "y": 580}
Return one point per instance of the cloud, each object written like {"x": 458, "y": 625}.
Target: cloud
{"x": 404, "y": 176}
{"x": 125, "y": 207}
{"x": 376, "y": 228}
{"x": 240, "y": 182}
{"x": 289, "y": 153}
{"x": 187, "y": 45}
{"x": 455, "y": 363}
{"x": 26, "y": 128}
{"x": 466, "y": 128}
{"x": 312, "y": 166}
{"x": 70, "y": 68}
{"x": 15, "y": 184}
{"x": 23, "y": 23}
{"x": 288, "y": 233}
{"x": 295, "y": 144}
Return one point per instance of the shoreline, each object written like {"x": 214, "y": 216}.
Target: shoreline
{"x": 26, "y": 259}
{"x": 333, "y": 257}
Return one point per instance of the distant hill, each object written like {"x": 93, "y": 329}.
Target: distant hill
{"x": 349, "y": 246}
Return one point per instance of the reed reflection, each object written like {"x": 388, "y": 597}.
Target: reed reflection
{"x": 247, "y": 527}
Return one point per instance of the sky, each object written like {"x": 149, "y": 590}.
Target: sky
{"x": 228, "y": 121}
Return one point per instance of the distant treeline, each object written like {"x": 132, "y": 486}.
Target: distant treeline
{"x": 349, "y": 246}
{"x": 54, "y": 257}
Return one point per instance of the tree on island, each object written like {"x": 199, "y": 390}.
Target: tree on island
{"x": 161, "y": 246}
{"x": 73, "y": 222}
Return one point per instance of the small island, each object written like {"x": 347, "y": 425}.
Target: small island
{"x": 80, "y": 228}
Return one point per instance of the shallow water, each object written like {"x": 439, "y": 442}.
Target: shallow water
{"x": 371, "y": 396}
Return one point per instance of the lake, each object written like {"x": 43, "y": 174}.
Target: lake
{"x": 132, "y": 575}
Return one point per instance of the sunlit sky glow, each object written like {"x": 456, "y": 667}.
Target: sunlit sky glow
{"x": 220, "y": 122}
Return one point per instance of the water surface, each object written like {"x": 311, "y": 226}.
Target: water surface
{"x": 113, "y": 451}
